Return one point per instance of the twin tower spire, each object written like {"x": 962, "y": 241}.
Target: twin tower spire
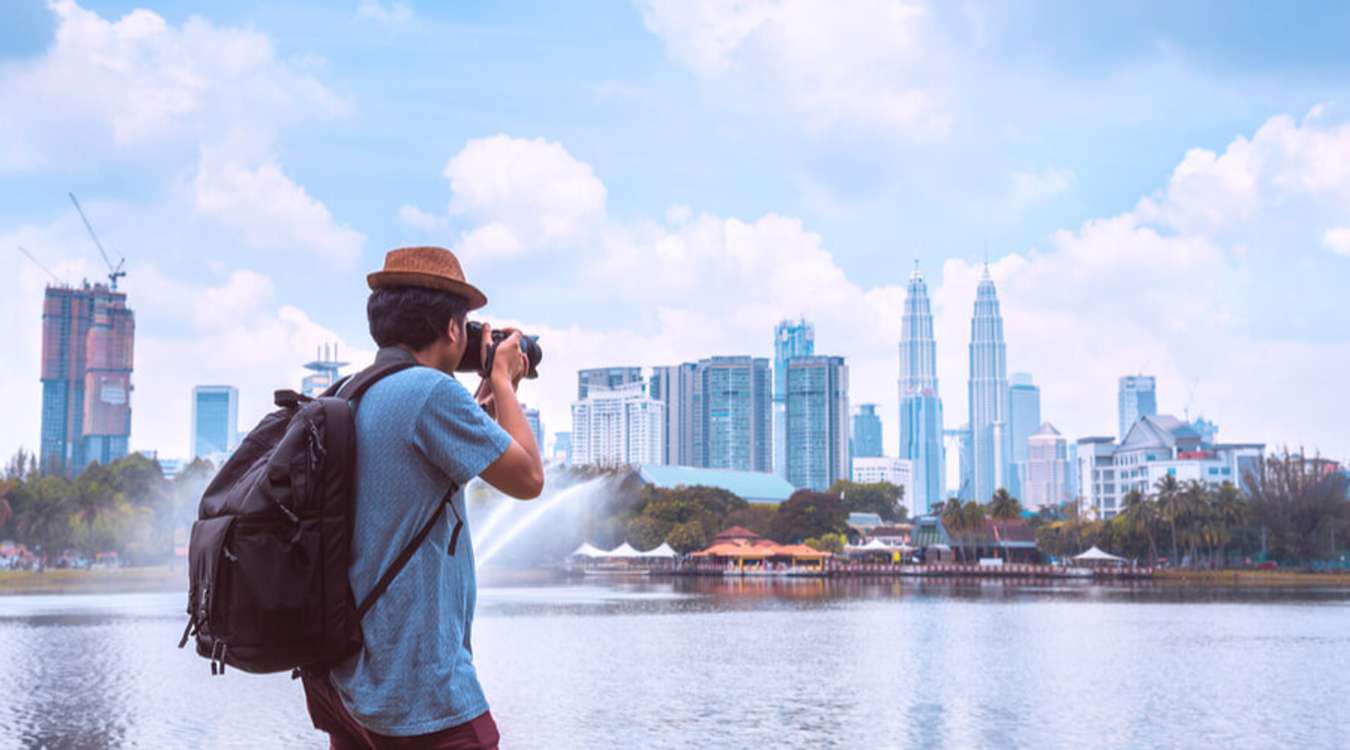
{"x": 921, "y": 425}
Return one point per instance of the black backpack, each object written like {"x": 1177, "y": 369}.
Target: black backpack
{"x": 268, "y": 556}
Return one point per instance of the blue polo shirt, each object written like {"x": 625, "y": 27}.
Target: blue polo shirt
{"x": 416, "y": 431}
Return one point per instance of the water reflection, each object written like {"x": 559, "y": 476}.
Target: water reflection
{"x": 749, "y": 662}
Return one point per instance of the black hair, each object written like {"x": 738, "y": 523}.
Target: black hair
{"x": 412, "y": 316}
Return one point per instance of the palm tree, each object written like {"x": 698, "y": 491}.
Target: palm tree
{"x": 1167, "y": 493}
{"x": 1141, "y": 514}
{"x": 1194, "y": 515}
{"x": 972, "y": 523}
{"x": 1004, "y": 506}
{"x": 952, "y": 519}
{"x": 1232, "y": 512}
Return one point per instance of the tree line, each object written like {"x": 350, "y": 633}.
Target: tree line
{"x": 127, "y": 507}
{"x": 688, "y": 518}
{"x": 1294, "y": 510}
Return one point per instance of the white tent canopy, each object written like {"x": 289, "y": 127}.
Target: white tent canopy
{"x": 664, "y": 550}
{"x": 623, "y": 550}
{"x": 1096, "y": 555}
{"x": 588, "y": 550}
{"x": 875, "y": 545}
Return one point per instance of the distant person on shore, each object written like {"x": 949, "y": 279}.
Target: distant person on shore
{"x": 420, "y": 433}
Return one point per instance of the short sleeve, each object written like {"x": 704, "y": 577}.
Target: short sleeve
{"x": 456, "y": 435}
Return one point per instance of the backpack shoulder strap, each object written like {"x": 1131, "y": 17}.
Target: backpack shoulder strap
{"x": 388, "y": 361}
{"x": 408, "y": 551}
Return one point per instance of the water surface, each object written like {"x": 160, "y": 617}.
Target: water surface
{"x": 709, "y": 663}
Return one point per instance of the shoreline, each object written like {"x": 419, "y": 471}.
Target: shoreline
{"x": 134, "y": 580}
{"x": 171, "y": 578}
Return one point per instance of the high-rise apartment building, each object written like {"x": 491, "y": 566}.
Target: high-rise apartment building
{"x": 790, "y": 339}
{"x": 673, "y": 386}
{"x": 921, "y": 432}
{"x": 987, "y": 391}
{"x": 1024, "y": 418}
{"x": 88, "y": 337}
{"x": 536, "y": 424}
{"x": 1046, "y": 469}
{"x": 215, "y": 420}
{"x": 897, "y": 471}
{"x": 1137, "y": 398}
{"x": 731, "y": 414}
{"x": 606, "y": 377}
{"x": 617, "y": 427}
{"x": 817, "y": 421}
{"x": 1154, "y": 447}
{"x": 866, "y": 442}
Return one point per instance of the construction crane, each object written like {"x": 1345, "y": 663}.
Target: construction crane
{"x": 39, "y": 264}
{"x": 114, "y": 272}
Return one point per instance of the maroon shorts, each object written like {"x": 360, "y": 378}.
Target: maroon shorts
{"x": 345, "y": 733}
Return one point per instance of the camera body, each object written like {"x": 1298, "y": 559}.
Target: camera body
{"x": 472, "y": 361}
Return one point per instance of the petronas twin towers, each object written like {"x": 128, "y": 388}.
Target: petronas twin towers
{"x": 921, "y": 428}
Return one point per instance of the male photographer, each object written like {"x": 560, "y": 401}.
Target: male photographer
{"x": 419, "y": 433}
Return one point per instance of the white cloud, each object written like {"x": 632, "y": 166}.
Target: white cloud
{"x": 525, "y": 196}
{"x": 872, "y": 64}
{"x": 1158, "y": 288}
{"x": 423, "y": 221}
{"x": 392, "y": 13}
{"x": 140, "y": 86}
{"x": 1029, "y": 188}
{"x": 269, "y": 210}
{"x": 1338, "y": 240}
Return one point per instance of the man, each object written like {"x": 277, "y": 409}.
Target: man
{"x": 419, "y": 432}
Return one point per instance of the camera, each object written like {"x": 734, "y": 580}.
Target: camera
{"x": 472, "y": 361}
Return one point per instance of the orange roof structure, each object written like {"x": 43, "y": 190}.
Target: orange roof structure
{"x": 761, "y": 551}
{"x": 737, "y": 533}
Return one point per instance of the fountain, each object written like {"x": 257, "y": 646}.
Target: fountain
{"x": 537, "y": 510}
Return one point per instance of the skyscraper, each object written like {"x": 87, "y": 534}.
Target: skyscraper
{"x": 817, "y": 421}
{"x": 1047, "y": 469}
{"x": 606, "y": 377}
{"x": 215, "y": 420}
{"x": 1137, "y": 397}
{"x": 866, "y": 442}
{"x": 1024, "y": 417}
{"x": 789, "y": 340}
{"x": 536, "y": 424}
{"x": 732, "y": 416}
{"x": 88, "y": 337}
{"x": 920, "y": 407}
{"x": 957, "y": 443}
{"x": 673, "y": 386}
{"x": 617, "y": 427}
{"x": 987, "y": 391}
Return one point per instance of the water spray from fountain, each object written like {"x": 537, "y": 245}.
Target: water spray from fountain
{"x": 537, "y": 512}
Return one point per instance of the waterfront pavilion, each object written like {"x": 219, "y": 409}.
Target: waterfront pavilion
{"x": 1096, "y": 558}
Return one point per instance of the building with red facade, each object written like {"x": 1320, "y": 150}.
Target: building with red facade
{"x": 87, "y": 343}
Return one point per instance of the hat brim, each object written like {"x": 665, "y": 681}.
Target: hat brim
{"x": 385, "y": 279}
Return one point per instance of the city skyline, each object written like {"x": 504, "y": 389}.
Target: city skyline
{"x": 604, "y": 202}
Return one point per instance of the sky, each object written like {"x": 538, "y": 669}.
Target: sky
{"x": 1157, "y": 187}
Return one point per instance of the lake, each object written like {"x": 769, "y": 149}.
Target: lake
{"x": 757, "y": 663}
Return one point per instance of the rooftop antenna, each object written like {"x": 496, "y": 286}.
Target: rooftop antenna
{"x": 114, "y": 272}
{"x": 39, "y": 264}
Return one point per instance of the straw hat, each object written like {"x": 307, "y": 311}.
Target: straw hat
{"x": 431, "y": 267}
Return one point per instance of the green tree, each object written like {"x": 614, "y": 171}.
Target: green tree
{"x": 689, "y": 536}
{"x": 645, "y": 532}
{"x": 1140, "y": 516}
{"x": 758, "y": 518}
{"x": 1004, "y": 507}
{"x": 883, "y": 498}
{"x": 1171, "y": 506}
{"x": 827, "y": 543}
{"x": 809, "y": 514}
{"x": 1301, "y": 506}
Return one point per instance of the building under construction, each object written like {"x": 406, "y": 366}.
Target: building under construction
{"x": 87, "y": 339}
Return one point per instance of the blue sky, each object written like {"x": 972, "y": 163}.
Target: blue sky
{"x": 1159, "y": 187}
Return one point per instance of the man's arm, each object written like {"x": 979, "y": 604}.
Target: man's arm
{"x": 519, "y": 472}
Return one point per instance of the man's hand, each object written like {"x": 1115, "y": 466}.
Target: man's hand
{"x": 509, "y": 363}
